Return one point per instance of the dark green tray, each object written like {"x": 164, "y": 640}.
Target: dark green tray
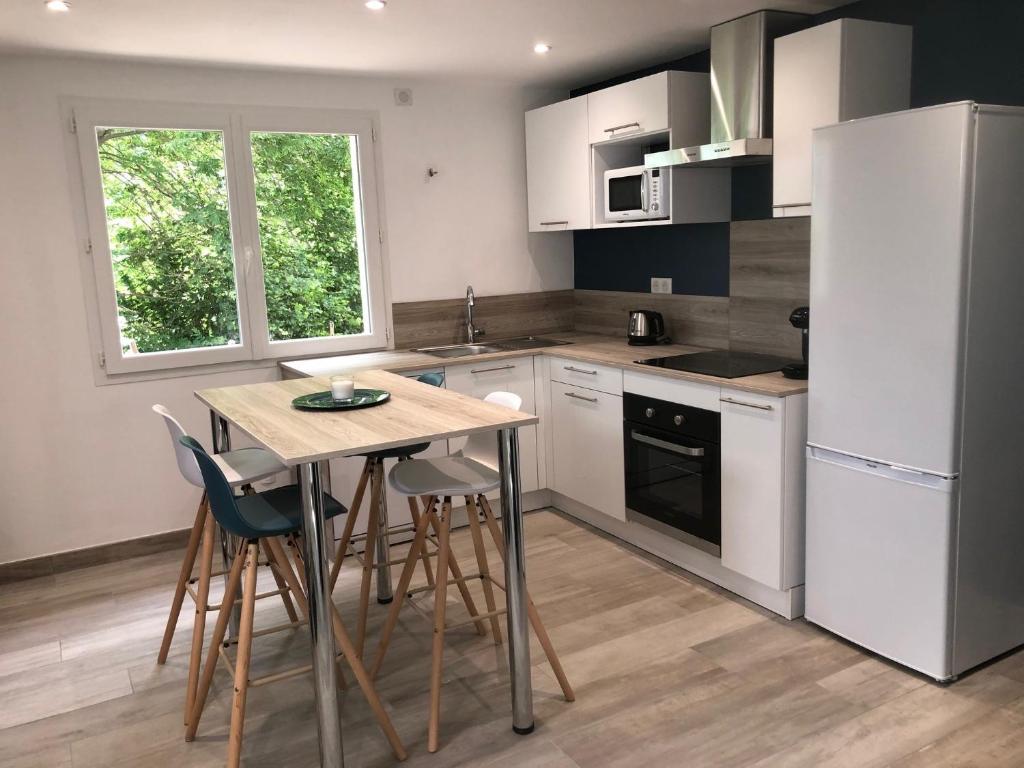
{"x": 323, "y": 401}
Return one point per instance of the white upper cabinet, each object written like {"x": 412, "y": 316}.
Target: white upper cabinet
{"x": 570, "y": 144}
{"x": 639, "y": 106}
{"x": 676, "y": 101}
{"x": 558, "y": 166}
{"x": 827, "y": 74}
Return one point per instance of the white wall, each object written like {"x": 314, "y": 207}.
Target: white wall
{"x": 81, "y": 464}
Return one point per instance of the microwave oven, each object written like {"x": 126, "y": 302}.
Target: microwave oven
{"x": 636, "y": 193}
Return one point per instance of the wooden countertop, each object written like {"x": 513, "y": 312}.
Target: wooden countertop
{"x": 584, "y": 347}
{"x": 416, "y": 413}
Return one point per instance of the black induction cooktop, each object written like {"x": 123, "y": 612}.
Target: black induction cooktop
{"x": 721, "y": 363}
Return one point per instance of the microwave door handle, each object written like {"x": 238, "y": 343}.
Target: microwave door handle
{"x": 682, "y": 450}
{"x": 643, "y": 191}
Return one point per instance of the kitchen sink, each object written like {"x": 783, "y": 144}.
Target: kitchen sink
{"x": 528, "y": 342}
{"x": 505, "y": 345}
{"x": 460, "y": 350}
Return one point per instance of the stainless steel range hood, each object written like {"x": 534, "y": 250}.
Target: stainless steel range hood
{"x": 741, "y": 81}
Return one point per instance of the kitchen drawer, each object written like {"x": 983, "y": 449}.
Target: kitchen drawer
{"x": 481, "y": 378}
{"x": 603, "y": 378}
{"x": 674, "y": 390}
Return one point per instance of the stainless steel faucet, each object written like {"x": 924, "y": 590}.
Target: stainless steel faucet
{"x": 472, "y": 332}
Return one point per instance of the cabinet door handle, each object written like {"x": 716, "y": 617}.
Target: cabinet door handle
{"x": 574, "y": 396}
{"x": 579, "y": 370}
{"x": 615, "y": 128}
{"x": 489, "y": 370}
{"x": 747, "y": 405}
{"x": 553, "y": 223}
{"x": 665, "y": 445}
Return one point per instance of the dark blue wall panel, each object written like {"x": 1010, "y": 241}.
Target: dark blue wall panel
{"x": 695, "y": 256}
{"x": 963, "y": 49}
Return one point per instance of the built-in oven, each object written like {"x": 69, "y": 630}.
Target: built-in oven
{"x": 673, "y": 470}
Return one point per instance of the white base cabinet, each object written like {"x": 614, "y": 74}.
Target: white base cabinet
{"x": 763, "y": 471}
{"x": 516, "y": 376}
{"x": 587, "y": 453}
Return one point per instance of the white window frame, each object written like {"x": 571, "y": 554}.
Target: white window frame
{"x": 235, "y": 123}
{"x": 366, "y": 204}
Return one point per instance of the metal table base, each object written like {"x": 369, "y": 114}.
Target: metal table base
{"x": 314, "y": 528}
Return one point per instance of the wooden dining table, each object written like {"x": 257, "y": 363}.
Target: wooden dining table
{"x": 414, "y": 413}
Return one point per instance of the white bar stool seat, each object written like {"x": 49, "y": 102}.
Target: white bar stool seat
{"x": 471, "y": 474}
{"x": 247, "y": 465}
{"x": 240, "y": 467}
{"x": 444, "y": 476}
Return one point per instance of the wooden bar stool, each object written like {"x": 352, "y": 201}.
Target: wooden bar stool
{"x": 470, "y": 474}
{"x": 260, "y": 520}
{"x": 373, "y": 476}
{"x": 240, "y": 468}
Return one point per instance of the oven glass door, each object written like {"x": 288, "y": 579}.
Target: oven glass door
{"x": 674, "y": 479}
{"x": 625, "y": 193}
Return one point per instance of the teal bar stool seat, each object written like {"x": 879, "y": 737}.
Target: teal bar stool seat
{"x": 261, "y": 519}
{"x": 241, "y": 468}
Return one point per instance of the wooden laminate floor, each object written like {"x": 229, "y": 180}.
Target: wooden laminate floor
{"x": 668, "y": 672}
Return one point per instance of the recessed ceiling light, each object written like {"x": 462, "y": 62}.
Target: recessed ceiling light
{"x": 541, "y": 48}
{"x": 58, "y": 5}
{"x": 376, "y": 5}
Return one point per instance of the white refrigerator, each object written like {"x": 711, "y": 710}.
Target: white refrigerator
{"x": 915, "y": 476}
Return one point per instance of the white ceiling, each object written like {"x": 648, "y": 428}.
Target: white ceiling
{"x": 591, "y": 39}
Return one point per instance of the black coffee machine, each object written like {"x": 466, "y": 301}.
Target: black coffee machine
{"x": 799, "y": 318}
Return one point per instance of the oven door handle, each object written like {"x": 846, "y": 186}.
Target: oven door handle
{"x": 683, "y": 450}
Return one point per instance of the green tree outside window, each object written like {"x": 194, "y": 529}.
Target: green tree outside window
{"x": 170, "y": 235}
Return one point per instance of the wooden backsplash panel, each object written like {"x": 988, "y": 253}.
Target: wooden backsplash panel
{"x": 698, "y": 320}
{"x": 769, "y": 276}
{"x": 433, "y": 323}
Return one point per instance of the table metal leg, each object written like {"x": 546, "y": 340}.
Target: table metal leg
{"x": 221, "y": 439}
{"x": 325, "y": 680}
{"x": 515, "y": 582}
{"x": 382, "y": 550}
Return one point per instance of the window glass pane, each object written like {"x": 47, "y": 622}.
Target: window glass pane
{"x": 307, "y": 198}
{"x": 170, "y": 238}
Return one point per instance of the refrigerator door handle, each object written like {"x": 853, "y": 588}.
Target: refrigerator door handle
{"x": 943, "y": 483}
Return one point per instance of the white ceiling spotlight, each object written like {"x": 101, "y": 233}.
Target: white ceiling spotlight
{"x": 60, "y": 6}
{"x": 376, "y": 5}
{"x": 541, "y": 48}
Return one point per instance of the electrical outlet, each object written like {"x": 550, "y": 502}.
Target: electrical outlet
{"x": 661, "y": 285}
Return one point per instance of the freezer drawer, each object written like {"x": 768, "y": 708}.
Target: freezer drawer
{"x": 879, "y": 559}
